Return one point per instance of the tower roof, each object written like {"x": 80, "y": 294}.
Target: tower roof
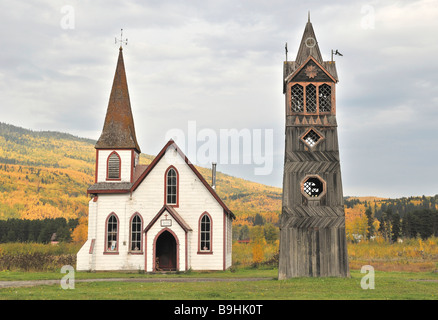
{"x": 309, "y": 45}
{"x": 118, "y": 130}
{"x": 308, "y": 52}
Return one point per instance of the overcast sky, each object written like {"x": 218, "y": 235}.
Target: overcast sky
{"x": 199, "y": 67}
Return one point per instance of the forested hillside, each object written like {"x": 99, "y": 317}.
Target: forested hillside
{"x": 46, "y": 174}
{"x": 43, "y": 174}
{"x": 391, "y": 219}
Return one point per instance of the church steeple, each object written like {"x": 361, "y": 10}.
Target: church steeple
{"x": 309, "y": 45}
{"x": 118, "y": 130}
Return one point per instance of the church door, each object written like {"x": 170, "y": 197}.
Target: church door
{"x": 165, "y": 252}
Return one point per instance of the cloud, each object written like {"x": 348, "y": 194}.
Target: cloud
{"x": 220, "y": 64}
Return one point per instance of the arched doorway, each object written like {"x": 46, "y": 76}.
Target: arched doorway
{"x": 166, "y": 252}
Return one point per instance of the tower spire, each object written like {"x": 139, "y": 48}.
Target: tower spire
{"x": 118, "y": 129}
{"x": 309, "y": 44}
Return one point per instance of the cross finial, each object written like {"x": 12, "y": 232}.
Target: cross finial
{"x": 121, "y": 40}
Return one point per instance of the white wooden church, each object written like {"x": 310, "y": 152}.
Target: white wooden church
{"x": 158, "y": 217}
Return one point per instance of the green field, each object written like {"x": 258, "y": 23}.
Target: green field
{"x": 388, "y": 285}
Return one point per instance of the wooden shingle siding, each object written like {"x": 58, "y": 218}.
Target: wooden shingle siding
{"x": 312, "y": 227}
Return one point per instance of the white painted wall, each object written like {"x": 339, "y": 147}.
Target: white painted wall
{"x": 147, "y": 200}
{"x": 125, "y": 170}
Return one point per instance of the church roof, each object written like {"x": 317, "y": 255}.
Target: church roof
{"x": 142, "y": 173}
{"x": 118, "y": 129}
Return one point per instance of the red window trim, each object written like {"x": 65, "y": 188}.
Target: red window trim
{"x": 210, "y": 251}
{"x": 321, "y": 137}
{"x": 130, "y": 234}
{"x": 120, "y": 167}
{"x": 116, "y": 251}
{"x": 317, "y": 85}
{"x": 177, "y": 187}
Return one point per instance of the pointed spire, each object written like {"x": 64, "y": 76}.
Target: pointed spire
{"x": 118, "y": 129}
{"x": 309, "y": 45}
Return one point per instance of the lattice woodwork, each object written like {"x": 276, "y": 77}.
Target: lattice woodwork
{"x": 313, "y": 187}
{"x": 311, "y": 98}
{"x": 325, "y": 96}
{"x": 297, "y": 98}
{"x": 311, "y": 138}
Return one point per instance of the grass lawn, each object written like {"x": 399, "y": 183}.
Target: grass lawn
{"x": 388, "y": 285}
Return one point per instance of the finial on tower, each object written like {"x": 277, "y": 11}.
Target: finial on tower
{"x": 285, "y": 49}
{"x": 308, "y": 16}
{"x": 121, "y": 41}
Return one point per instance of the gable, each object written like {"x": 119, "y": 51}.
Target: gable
{"x": 180, "y": 156}
{"x": 173, "y": 213}
{"x": 310, "y": 71}
{"x": 141, "y": 172}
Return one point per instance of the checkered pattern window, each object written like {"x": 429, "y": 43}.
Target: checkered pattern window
{"x": 311, "y": 98}
{"x": 313, "y": 187}
{"x": 325, "y": 95}
{"x": 311, "y": 138}
{"x": 297, "y": 99}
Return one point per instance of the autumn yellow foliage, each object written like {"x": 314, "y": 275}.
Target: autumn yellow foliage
{"x": 80, "y": 233}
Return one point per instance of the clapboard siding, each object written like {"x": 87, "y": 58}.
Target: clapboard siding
{"x": 147, "y": 200}
{"x": 125, "y": 169}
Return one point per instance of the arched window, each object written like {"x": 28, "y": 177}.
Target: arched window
{"x": 297, "y": 99}
{"x": 136, "y": 232}
{"x": 113, "y": 166}
{"x": 325, "y": 95}
{"x": 112, "y": 234}
{"x": 171, "y": 186}
{"x": 311, "y": 98}
{"x": 205, "y": 230}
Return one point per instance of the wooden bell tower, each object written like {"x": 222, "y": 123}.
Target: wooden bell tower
{"x": 312, "y": 225}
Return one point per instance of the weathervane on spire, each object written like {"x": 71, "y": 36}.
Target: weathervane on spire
{"x": 336, "y": 53}
{"x": 121, "y": 41}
